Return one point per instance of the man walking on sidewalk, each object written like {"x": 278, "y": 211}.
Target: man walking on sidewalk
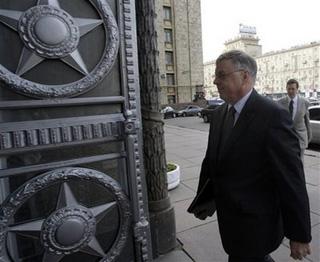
{"x": 298, "y": 109}
{"x": 252, "y": 173}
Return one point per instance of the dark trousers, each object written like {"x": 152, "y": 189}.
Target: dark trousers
{"x": 255, "y": 259}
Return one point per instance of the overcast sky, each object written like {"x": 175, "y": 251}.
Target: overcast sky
{"x": 280, "y": 24}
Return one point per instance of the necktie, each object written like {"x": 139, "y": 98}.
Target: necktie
{"x": 291, "y": 108}
{"x": 227, "y": 126}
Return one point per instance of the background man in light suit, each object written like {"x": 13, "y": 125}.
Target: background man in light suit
{"x": 299, "y": 113}
{"x": 252, "y": 173}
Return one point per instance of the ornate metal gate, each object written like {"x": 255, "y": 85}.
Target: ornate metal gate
{"x": 71, "y": 174}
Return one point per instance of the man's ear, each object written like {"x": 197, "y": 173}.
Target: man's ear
{"x": 245, "y": 75}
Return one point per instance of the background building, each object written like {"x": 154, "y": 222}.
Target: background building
{"x": 209, "y": 88}
{"x": 180, "y": 50}
{"x": 299, "y": 62}
{"x": 274, "y": 68}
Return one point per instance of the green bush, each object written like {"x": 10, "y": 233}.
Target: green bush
{"x": 171, "y": 167}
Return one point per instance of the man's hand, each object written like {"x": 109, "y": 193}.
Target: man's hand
{"x": 299, "y": 250}
{"x": 204, "y": 210}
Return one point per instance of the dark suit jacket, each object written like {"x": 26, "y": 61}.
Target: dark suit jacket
{"x": 258, "y": 180}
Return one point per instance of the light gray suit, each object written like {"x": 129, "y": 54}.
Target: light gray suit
{"x": 301, "y": 121}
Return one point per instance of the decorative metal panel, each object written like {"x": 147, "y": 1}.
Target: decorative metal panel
{"x": 72, "y": 226}
{"x": 105, "y": 113}
{"x": 18, "y": 135}
{"x": 49, "y": 32}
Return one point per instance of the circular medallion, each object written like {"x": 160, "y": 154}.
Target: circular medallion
{"x": 51, "y": 30}
{"x": 51, "y": 33}
{"x": 68, "y": 230}
{"x": 48, "y": 31}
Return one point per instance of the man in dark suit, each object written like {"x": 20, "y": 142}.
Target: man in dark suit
{"x": 252, "y": 173}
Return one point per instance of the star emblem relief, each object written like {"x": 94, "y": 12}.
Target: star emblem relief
{"x": 48, "y": 32}
{"x": 69, "y": 229}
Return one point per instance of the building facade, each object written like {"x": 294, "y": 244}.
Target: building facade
{"x": 274, "y": 68}
{"x": 299, "y": 62}
{"x": 180, "y": 50}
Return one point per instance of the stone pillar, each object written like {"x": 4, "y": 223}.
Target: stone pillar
{"x": 162, "y": 218}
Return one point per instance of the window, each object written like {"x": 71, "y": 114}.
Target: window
{"x": 314, "y": 113}
{"x": 171, "y": 99}
{"x": 168, "y": 35}
{"x": 169, "y": 58}
{"x": 295, "y": 63}
{"x": 170, "y": 90}
{"x": 167, "y": 13}
{"x": 170, "y": 79}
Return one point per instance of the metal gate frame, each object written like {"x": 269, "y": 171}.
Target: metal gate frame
{"x": 32, "y": 136}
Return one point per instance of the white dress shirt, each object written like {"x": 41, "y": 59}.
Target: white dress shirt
{"x": 239, "y": 106}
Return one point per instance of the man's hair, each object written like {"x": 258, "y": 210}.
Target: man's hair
{"x": 240, "y": 60}
{"x": 293, "y": 81}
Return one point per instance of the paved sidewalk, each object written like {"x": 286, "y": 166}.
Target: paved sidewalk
{"x": 200, "y": 240}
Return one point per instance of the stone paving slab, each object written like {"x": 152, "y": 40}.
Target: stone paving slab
{"x": 315, "y": 219}
{"x": 203, "y": 243}
{"x": 191, "y": 172}
{"x": 180, "y": 193}
{"x": 196, "y": 160}
{"x": 312, "y": 175}
{"x": 186, "y": 221}
{"x": 186, "y": 153}
{"x": 315, "y": 244}
{"x": 192, "y": 184}
{"x": 314, "y": 198}
{"x": 175, "y": 256}
{"x": 312, "y": 158}
{"x": 183, "y": 163}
